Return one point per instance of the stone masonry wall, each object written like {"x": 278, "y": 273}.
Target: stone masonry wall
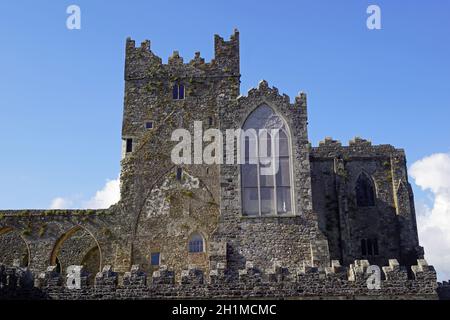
{"x": 335, "y": 170}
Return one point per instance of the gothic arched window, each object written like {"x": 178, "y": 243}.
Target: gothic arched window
{"x": 365, "y": 193}
{"x": 196, "y": 243}
{"x": 266, "y": 186}
{"x": 178, "y": 91}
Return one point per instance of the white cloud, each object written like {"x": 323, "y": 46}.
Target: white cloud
{"x": 60, "y": 203}
{"x": 432, "y": 174}
{"x": 103, "y": 198}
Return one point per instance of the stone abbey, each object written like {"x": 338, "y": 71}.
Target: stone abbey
{"x": 224, "y": 230}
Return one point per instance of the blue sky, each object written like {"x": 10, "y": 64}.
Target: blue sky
{"x": 61, "y": 91}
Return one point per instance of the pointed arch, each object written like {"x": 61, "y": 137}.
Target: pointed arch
{"x": 77, "y": 230}
{"x": 266, "y": 185}
{"x": 402, "y": 198}
{"x": 365, "y": 191}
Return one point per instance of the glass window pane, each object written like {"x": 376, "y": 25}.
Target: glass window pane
{"x": 284, "y": 200}
{"x": 267, "y": 200}
{"x": 181, "y": 92}
{"x": 249, "y": 175}
{"x": 155, "y": 259}
{"x": 283, "y": 144}
{"x": 196, "y": 243}
{"x": 175, "y": 92}
{"x": 251, "y": 150}
{"x": 265, "y": 146}
{"x": 266, "y": 178}
{"x": 263, "y": 118}
{"x": 283, "y": 175}
{"x": 250, "y": 201}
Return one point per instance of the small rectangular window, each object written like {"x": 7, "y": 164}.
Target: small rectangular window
{"x": 129, "y": 147}
{"x": 149, "y": 125}
{"x": 155, "y": 259}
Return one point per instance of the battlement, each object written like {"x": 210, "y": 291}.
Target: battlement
{"x": 357, "y": 147}
{"x": 142, "y": 63}
{"x": 276, "y": 282}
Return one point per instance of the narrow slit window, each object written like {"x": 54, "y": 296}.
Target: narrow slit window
{"x": 369, "y": 247}
{"x": 375, "y": 246}
{"x": 179, "y": 173}
{"x": 129, "y": 145}
{"x": 363, "y": 247}
{"x": 181, "y": 92}
{"x": 175, "y": 92}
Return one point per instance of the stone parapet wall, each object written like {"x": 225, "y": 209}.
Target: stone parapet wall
{"x": 336, "y": 282}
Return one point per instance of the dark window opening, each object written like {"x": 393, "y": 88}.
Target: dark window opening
{"x": 181, "y": 92}
{"x": 179, "y": 173}
{"x": 178, "y": 92}
{"x": 375, "y": 247}
{"x": 154, "y": 260}
{"x": 175, "y": 92}
{"x": 363, "y": 247}
{"x": 365, "y": 195}
{"x": 129, "y": 147}
{"x": 149, "y": 125}
{"x": 369, "y": 247}
{"x": 210, "y": 121}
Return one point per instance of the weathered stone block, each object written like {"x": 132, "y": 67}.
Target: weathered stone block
{"x": 50, "y": 278}
{"x": 135, "y": 277}
{"x": 358, "y": 270}
{"x": 336, "y": 271}
{"x": 394, "y": 271}
{"x": 193, "y": 275}
{"x": 163, "y": 276}
{"x": 423, "y": 272}
{"x": 107, "y": 277}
